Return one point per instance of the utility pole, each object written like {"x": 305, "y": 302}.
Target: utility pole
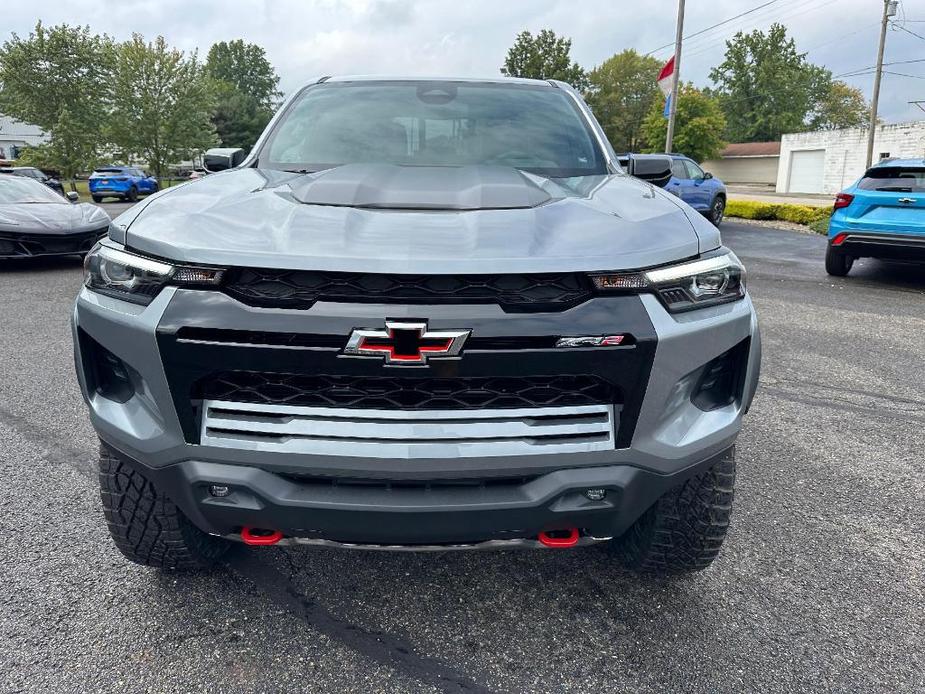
{"x": 889, "y": 9}
{"x": 675, "y": 77}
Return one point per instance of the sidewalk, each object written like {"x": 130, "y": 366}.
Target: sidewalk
{"x": 767, "y": 194}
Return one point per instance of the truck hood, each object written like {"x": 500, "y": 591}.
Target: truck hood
{"x": 369, "y": 218}
{"x": 51, "y": 218}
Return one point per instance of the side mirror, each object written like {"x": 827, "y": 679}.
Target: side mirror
{"x": 655, "y": 170}
{"x": 222, "y": 158}
{"x": 707, "y": 175}
{"x": 72, "y": 195}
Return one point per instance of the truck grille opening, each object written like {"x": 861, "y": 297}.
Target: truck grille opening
{"x": 399, "y": 433}
{"x": 407, "y": 393}
{"x": 300, "y": 289}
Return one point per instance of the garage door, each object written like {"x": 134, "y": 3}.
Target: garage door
{"x": 806, "y": 169}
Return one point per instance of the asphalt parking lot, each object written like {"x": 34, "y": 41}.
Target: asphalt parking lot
{"x": 820, "y": 586}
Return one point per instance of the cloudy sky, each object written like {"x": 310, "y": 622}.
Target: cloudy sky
{"x": 304, "y": 38}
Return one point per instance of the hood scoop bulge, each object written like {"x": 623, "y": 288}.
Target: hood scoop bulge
{"x": 396, "y": 187}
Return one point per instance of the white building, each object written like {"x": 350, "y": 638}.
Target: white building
{"x": 18, "y": 134}
{"x": 826, "y": 161}
{"x": 753, "y": 163}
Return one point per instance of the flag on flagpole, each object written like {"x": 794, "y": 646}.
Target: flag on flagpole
{"x": 667, "y": 111}
{"x": 665, "y": 75}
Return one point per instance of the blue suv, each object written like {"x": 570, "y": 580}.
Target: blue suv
{"x": 125, "y": 182}
{"x": 696, "y": 187}
{"x": 881, "y": 216}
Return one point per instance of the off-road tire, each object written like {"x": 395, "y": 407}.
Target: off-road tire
{"x": 685, "y": 528}
{"x": 146, "y": 525}
{"x": 97, "y": 198}
{"x": 718, "y": 210}
{"x": 837, "y": 263}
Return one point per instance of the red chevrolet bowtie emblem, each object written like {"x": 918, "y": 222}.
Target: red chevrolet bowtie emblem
{"x": 406, "y": 343}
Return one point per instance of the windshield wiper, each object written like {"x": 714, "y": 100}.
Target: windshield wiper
{"x": 896, "y": 189}
{"x": 299, "y": 171}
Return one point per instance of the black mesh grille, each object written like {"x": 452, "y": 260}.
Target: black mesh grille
{"x": 300, "y": 289}
{"x": 365, "y": 392}
{"x": 49, "y": 244}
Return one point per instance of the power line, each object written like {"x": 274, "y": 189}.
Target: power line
{"x": 718, "y": 24}
{"x": 709, "y": 36}
{"x": 786, "y": 15}
{"x": 904, "y": 74}
{"x": 902, "y": 28}
{"x": 852, "y": 73}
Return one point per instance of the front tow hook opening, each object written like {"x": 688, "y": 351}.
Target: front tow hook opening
{"x": 559, "y": 539}
{"x": 260, "y": 536}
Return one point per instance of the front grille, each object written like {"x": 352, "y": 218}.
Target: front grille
{"x": 383, "y": 392}
{"x": 391, "y": 433}
{"x": 300, "y": 289}
{"x": 27, "y": 245}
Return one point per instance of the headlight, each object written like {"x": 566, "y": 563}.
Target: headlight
{"x": 138, "y": 279}
{"x": 686, "y": 286}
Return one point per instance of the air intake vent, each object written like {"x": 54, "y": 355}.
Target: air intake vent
{"x": 411, "y": 393}
{"x": 301, "y": 289}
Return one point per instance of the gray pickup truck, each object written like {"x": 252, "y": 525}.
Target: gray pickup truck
{"x": 421, "y": 314}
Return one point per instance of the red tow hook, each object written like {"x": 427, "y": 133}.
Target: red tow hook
{"x": 260, "y": 536}
{"x": 559, "y": 540}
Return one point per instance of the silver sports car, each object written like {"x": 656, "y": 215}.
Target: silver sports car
{"x": 36, "y": 221}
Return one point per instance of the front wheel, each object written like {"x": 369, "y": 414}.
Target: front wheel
{"x": 685, "y": 528}
{"x": 146, "y": 525}
{"x": 718, "y": 211}
{"x": 837, "y": 263}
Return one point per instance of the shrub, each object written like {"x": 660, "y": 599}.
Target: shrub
{"x": 817, "y": 218}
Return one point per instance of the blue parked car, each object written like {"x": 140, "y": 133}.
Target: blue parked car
{"x": 881, "y": 216}
{"x": 696, "y": 187}
{"x": 125, "y": 182}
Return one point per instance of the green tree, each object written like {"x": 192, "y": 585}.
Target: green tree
{"x": 543, "y": 57}
{"x": 59, "y": 78}
{"x": 162, "y": 103}
{"x": 699, "y": 125}
{"x": 839, "y": 105}
{"x": 246, "y": 91}
{"x": 766, "y": 87}
{"x": 621, "y": 93}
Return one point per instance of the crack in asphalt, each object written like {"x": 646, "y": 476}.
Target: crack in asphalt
{"x": 379, "y": 646}
{"x": 842, "y": 403}
{"x": 53, "y": 451}
{"x": 843, "y": 389}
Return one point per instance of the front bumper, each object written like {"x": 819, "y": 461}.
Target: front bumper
{"x": 388, "y": 514}
{"x": 33, "y": 245}
{"x": 432, "y": 494}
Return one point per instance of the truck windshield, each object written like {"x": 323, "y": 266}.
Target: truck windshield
{"x": 535, "y": 128}
{"x": 900, "y": 179}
